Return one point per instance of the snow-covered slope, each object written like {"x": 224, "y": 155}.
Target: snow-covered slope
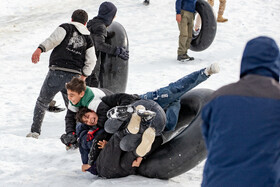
{"x": 153, "y": 40}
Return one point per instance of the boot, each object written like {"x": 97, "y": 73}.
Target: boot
{"x": 184, "y": 57}
{"x": 53, "y": 108}
{"x": 221, "y": 19}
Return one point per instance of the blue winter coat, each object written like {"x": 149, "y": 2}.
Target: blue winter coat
{"x": 188, "y": 5}
{"x": 242, "y": 123}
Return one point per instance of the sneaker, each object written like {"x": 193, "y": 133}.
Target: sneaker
{"x": 148, "y": 139}
{"x": 184, "y": 57}
{"x": 221, "y": 19}
{"x": 133, "y": 126}
{"x": 146, "y": 115}
{"x": 33, "y": 135}
{"x": 120, "y": 112}
{"x": 212, "y": 69}
{"x": 53, "y": 108}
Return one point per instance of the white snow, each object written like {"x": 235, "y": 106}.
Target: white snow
{"x": 153, "y": 39}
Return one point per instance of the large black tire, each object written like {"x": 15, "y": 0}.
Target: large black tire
{"x": 187, "y": 148}
{"x": 114, "y": 69}
{"x": 208, "y": 27}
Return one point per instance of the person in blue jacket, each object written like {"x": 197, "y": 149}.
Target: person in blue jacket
{"x": 185, "y": 10}
{"x": 242, "y": 122}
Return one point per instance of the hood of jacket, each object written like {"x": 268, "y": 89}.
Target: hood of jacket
{"x": 107, "y": 12}
{"x": 81, "y": 28}
{"x": 261, "y": 56}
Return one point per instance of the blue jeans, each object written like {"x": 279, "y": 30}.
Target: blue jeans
{"x": 169, "y": 97}
{"x": 54, "y": 83}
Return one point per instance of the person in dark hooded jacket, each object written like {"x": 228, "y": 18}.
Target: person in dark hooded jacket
{"x": 98, "y": 29}
{"x": 242, "y": 123}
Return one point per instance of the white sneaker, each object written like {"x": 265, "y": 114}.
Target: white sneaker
{"x": 212, "y": 69}
{"x": 147, "y": 141}
{"x": 133, "y": 126}
{"x": 33, "y": 135}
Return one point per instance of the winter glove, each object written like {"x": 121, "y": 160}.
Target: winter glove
{"x": 69, "y": 139}
{"x": 90, "y": 134}
{"x": 122, "y": 53}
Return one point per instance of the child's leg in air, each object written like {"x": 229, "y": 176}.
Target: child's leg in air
{"x": 166, "y": 95}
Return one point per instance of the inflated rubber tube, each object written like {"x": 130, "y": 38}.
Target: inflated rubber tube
{"x": 115, "y": 69}
{"x": 208, "y": 27}
{"x": 187, "y": 149}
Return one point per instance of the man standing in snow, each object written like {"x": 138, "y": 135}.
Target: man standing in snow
{"x": 98, "y": 29}
{"x": 73, "y": 55}
{"x": 185, "y": 10}
{"x": 242, "y": 122}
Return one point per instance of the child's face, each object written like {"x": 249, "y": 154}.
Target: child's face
{"x": 75, "y": 97}
{"x": 90, "y": 118}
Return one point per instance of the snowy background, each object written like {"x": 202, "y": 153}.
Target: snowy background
{"x": 153, "y": 39}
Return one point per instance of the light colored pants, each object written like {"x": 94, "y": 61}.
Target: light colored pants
{"x": 222, "y": 6}
{"x": 185, "y": 28}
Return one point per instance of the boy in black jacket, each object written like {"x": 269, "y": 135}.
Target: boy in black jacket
{"x": 73, "y": 55}
{"x": 128, "y": 146}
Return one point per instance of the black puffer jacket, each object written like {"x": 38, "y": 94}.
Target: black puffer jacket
{"x": 97, "y": 27}
{"x": 109, "y": 101}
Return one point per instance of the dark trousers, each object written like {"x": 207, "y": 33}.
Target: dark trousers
{"x": 112, "y": 162}
{"x": 54, "y": 82}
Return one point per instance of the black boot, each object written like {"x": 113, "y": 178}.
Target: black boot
{"x": 184, "y": 57}
{"x": 53, "y": 108}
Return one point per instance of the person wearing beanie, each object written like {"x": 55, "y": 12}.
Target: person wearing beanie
{"x": 241, "y": 122}
{"x": 98, "y": 29}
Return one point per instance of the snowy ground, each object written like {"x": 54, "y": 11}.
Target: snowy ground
{"x": 153, "y": 36}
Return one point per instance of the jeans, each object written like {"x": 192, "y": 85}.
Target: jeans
{"x": 169, "y": 97}
{"x": 54, "y": 83}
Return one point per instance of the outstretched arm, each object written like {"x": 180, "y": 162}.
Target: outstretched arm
{"x": 51, "y": 42}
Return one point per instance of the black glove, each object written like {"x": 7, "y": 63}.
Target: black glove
{"x": 122, "y": 53}
{"x": 69, "y": 139}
